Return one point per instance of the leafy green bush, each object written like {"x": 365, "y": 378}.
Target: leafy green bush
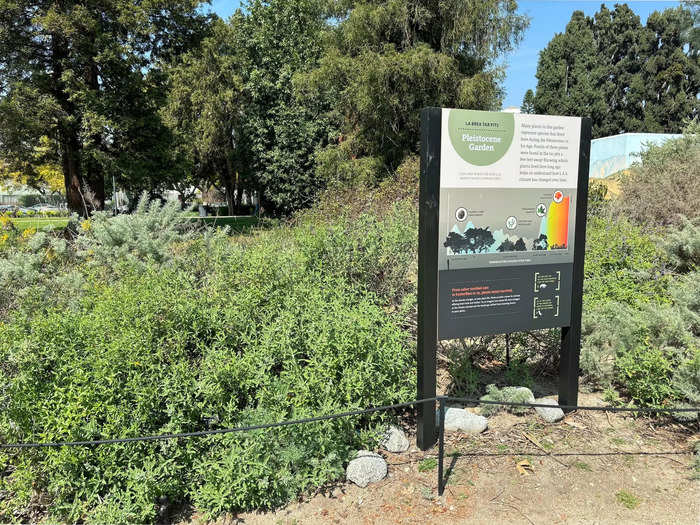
{"x": 376, "y": 254}
{"x": 199, "y": 331}
{"x": 686, "y": 378}
{"x": 464, "y": 375}
{"x": 645, "y": 372}
{"x": 147, "y": 234}
{"x": 518, "y": 373}
{"x": 686, "y": 301}
{"x": 610, "y": 330}
{"x": 623, "y": 264}
{"x": 598, "y": 203}
{"x": 683, "y": 245}
{"x": 640, "y": 319}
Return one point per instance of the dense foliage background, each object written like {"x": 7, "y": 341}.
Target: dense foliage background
{"x": 139, "y": 324}
{"x": 136, "y": 327}
{"x": 289, "y": 97}
{"x": 281, "y": 99}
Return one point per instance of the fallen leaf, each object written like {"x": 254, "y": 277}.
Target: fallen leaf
{"x": 524, "y": 467}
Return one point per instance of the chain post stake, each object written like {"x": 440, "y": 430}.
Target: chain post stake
{"x": 441, "y": 445}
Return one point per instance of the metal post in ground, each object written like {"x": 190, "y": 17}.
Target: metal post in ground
{"x": 441, "y": 445}
{"x": 571, "y": 335}
{"x": 428, "y": 227}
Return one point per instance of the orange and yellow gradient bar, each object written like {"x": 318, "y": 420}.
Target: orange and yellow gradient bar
{"x": 558, "y": 224}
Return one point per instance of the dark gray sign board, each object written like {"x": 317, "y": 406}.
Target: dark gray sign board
{"x": 501, "y": 235}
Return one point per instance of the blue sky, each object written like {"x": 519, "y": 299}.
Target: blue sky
{"x": 547, "y": 17}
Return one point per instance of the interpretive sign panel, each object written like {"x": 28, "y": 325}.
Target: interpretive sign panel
{"x": 501, "y": 234}
{"x": 506, "y": 222}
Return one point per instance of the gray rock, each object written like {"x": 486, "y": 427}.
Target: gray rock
{"x": 460, "y": 420}
{"x": 395, "y": 440}
{"x": 550, "y": 415}
{"x": 366, "y": 468}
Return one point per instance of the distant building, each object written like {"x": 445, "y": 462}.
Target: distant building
{"x": 511, "y": 109}
{"x": 616, "y": 153}
{"x": 12, "y": 193}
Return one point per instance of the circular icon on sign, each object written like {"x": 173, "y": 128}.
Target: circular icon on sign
{"x": 558, "y": 196}
{"x": 511, "y": 222}
{"x": 461, "y": 214}
{"x": 541, "y": 210}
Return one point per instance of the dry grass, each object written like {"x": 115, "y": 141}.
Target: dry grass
{"x": 658, "y": 195}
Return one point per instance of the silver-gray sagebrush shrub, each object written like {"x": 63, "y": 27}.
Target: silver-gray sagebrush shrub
{"x": 145, "y": 235}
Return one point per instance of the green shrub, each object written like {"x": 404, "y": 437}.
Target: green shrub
{"x": 147, "y": 234}
{"x": 598, "y": 203}
{"x": 686, "y": 301}
{"x": 623, "y": 264}
{"x": 378, "y": 254}
{"x": 610, "y": 330}
{"x": 637, "y": 313}
{"x": 686, "y": 378}
{"x": 464, "y": 375}
{"x": 518, "y": 373}
{"x": 537, "y": 348}
{"x": 645, "y": 372}
{"x": 683, "y": 245}
{"x": 508, "y": 394}
{"x": 199, "y": 331}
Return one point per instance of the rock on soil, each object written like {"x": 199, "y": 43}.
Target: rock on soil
{"x": 460, "y": 420}
{"x": 395, "y": 440}
{"x": 366, "y": 468}
{"x": 550, "y": 415}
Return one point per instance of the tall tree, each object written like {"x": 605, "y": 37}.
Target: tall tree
{"x": 387, "y": 59}
{"x": 566, "y": 72}
{"x": 205, "y": 107}
{"x": 257, "y": 135}
{"x": 620, "y": 39}
{"x": 80, "y": 73}
{"x": 625, "y": 76}
{"x": 284, "y": 38}
{"x": 528, "y": 105}
{"x": 671, "y": 72}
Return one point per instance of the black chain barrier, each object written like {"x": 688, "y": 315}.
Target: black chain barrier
{"x": 442, "y": 400}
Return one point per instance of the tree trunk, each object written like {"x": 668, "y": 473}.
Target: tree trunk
{"x": 70, "y": 158}
{"x": 94, "y": 176}
{"x": 67, "y": 131}
{"x": 229, "y": 190}
{"x": 239, "y": 196}
{"x": 230, "y": 186}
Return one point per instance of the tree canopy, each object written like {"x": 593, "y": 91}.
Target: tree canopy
{"x": 528, "y": 105}
{"x": 625, "y": 76}
{"x": 86, "y": 75}
{"x": 282, "y": 99}
{"x": 303, "y": 93}
{"x": 386, "y": 60}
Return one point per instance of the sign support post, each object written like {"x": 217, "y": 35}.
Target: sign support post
{"x": 428, "y": 208}
{"x": 571, "y": 335}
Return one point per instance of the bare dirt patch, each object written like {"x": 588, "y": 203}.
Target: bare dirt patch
{"x": 592, "y": 467}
